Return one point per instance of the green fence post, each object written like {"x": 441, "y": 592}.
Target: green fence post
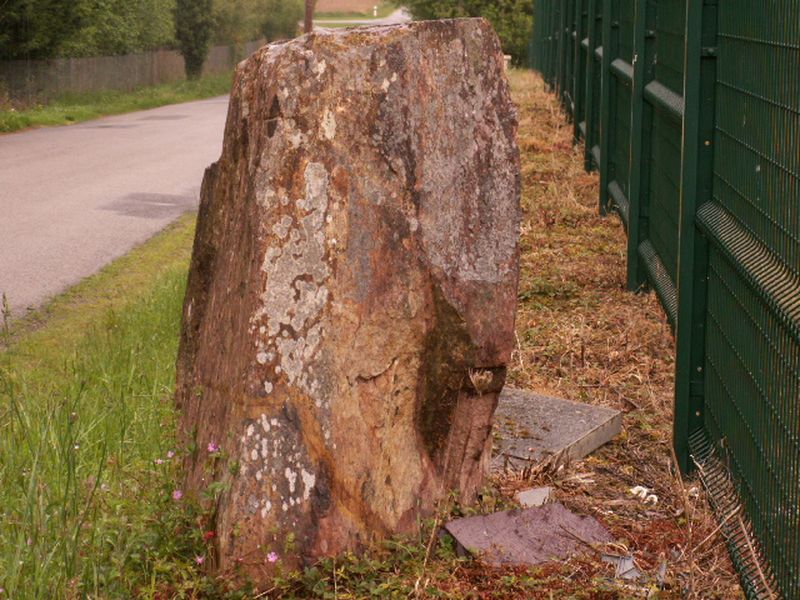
{"x": 552, "y": 36}
{"x": 591, "y": 62}
{"x": 696, "y": 188}
{"x": 569, "y": 82}
{"x": 562, "y": 65}
{"x": 610, "y": 34}
{"x": 580, "y": 70}
{"x": 641, "y": 128}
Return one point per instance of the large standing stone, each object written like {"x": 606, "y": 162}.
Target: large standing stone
{"x": 352, "y": 294}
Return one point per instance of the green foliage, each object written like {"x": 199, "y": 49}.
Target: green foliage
{"x": 56, "y": 28}
{"x": 512, "y": 19}
{"x": 236, "y": 21}
{"x": 282, "y": 18}
{"x": 193, "y": 22}
{"x": 120, "y": 27}
{"x": 37, "y": 28}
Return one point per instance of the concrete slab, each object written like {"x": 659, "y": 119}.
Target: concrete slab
{"x": 526, "y": 537}
{"x": 534, "y": 497}
{"x": 530, "y": 428}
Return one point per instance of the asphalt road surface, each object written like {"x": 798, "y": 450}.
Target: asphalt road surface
{"x": 401, "y": 15}
{"x": 74, "y": 198}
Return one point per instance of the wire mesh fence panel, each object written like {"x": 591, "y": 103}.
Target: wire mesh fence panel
{"x": 594, "y": 81}
{"x": 618, "y": 36}
{"x": 691, "y": 111}
{"x": 752, "y": 399}
{"x": 663, "y": 154}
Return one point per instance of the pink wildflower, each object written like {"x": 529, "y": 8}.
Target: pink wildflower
{"x": 213, "y": 447}
{"x": 199, "y": 559}
{"x": 177, "y": 495}
{"x": 272, "y": 557}
{"x": 171, "y": 454}
{"x": 159, "y": 461}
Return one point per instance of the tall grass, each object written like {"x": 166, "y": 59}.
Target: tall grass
{"x": 85, "y": 499}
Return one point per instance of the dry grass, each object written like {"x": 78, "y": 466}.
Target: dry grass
{"x": 582, "y": 336}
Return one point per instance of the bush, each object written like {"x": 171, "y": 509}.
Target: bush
{"x": 283, "y": 18}
{"x": 512, "y": 19}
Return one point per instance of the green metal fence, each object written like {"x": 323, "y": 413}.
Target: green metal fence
{"x": 690, "y": 109}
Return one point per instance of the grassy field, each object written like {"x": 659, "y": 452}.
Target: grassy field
{"x": 74, "y": 108}
{"x": 87, "y": 470}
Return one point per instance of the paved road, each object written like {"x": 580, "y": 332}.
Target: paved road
{"x": 401, "y": 15}
{"x": 74, "y": 198}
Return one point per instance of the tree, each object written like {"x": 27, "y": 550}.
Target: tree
{"x": 37, "y": 28}
{"x": 282, "y": 18}
{"x": 237, "y": 21}
{"x": 193, "y": 24}
{"x": 512, "y": 19}
{"x": 70, "y": 28}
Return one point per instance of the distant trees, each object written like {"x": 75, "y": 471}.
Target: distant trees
{"x": 282, "y": 18}
{"x": 37, "y": 29}
{"x": 34, "y": 29}
{"x": 193, "y": 21}
{"x": 237, "y": 21}
{"x": 512, "y": 19}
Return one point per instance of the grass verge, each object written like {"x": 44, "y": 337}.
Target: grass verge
{"x": 86, "y": 478}
{"x": 75, "y": 108}
{"x": 86, "y": 417}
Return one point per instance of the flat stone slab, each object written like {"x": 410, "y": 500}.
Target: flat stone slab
{"x": 526, "y": 537}
{"x": 535, "y": 497}
{"x": 529, "y": 428}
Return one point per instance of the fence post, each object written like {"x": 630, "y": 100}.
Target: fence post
{"x": 562, "y": 49}
{"x": 697, "y": 180}
{"x": 591, "y": 63}
{"x": 610, "y": 42}
{"x": 641, "y": 130}
{"x": 579, "y": 71}
{"x": 569, "y": 78}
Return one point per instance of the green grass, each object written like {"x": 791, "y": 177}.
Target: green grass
{"x": 85, "y": 411}
{"x": 86, "y": 477}
{"x": 74, "y": 108}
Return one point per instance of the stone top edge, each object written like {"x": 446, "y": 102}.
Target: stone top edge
{"x": 380, "y": 32}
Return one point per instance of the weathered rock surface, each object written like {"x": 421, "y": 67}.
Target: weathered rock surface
{"x": 351, "y": 301}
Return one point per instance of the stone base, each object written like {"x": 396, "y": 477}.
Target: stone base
{"x": 529, "y": 428}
